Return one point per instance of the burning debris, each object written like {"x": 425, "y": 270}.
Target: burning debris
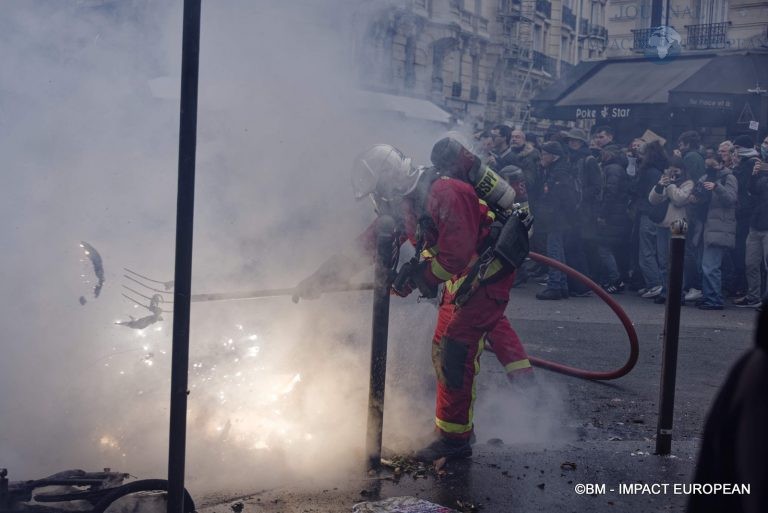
{"x": 96, "y": 265}
{"x": 147, "y": 320}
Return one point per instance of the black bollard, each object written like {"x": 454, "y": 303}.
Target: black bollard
{"x": 385, "y": 240}
{"x": 671, "y": 335}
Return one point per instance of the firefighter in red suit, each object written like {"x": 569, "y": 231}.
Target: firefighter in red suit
{"x": 439, "y": 212}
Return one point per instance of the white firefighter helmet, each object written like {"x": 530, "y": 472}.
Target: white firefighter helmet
{"x": 385, "y": 172}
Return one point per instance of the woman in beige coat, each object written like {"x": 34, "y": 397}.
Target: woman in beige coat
{"x": 674, "y": 190}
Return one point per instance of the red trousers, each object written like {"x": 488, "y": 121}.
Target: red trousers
{"x": 459, "y": 338}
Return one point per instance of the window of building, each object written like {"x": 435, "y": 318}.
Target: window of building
{"x": 538, "y": 38}
{"x": 713, "y": 11}
{"x": 410, "y": 63}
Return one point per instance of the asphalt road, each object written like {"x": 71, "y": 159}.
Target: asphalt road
{"x": 535, "y": 448}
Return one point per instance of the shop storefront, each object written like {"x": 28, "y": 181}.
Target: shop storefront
{"x": 717, "y": 94}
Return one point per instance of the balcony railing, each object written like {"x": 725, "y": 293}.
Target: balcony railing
{"x": 569, "y": 18}
{"x": 509, "y": 8}
{"x": 640, "y": 39}
{"x": 542, "y": 62}
{"x": 598, "y": 31}
{"x": 710, "y": 35}
{"x": 544, "y": 7}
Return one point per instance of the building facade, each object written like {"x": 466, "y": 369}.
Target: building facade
{"x": 698, "y": 25}
{"x": 480, "y": 59}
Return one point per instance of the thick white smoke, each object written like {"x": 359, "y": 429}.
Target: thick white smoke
{"x": 88, "y": 139}
{"x": 88, "y": 149}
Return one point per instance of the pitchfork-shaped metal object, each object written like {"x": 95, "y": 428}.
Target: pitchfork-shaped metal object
{"x": 157, "y": 292}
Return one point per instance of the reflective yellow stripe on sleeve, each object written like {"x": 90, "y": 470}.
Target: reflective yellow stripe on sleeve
{"x": 518, "y": 365}
{"x": 429, "y": 252}
{"x": 439, "y": 271}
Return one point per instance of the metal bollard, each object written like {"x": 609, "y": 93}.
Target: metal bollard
{"x": 4, "y": 498}
{"x": 671, "y": 335}
{"x": 183, "y": 266}
{"x": 379, "y": 332}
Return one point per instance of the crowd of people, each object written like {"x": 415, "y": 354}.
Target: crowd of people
{"x": 606, "y": 209}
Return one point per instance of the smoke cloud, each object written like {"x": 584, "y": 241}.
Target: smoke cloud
{"x": 88, "y": 142}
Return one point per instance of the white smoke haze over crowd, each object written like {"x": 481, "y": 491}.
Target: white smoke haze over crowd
{"x": 88, "y": 152}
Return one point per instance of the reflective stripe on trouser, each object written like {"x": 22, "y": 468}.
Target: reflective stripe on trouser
{"x": 508, "y": 349}
{"x": 457, "y": 343}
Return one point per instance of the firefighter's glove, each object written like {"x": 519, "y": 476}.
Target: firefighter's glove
{"x": 403, "y": 284}
{"x": 412, "y": 276}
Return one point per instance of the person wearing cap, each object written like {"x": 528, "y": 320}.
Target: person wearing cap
{"x": 746, "y": 156}
{"x": 557, "y": 207}
{"x": 582, "y": 241}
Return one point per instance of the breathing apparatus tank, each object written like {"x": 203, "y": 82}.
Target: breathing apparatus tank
{"x": 453, "y": 157}
{"x": 492, "y": 188}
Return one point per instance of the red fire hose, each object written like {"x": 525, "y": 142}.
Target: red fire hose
{"x": 620, "y": 313}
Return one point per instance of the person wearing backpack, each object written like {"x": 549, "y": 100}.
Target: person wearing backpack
{"x": 668, "y": 198}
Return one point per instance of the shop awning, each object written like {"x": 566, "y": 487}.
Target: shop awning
{"x": 403, "y": 106}
{"x": 617, "y": 88}
{"x": 723, "y": 82}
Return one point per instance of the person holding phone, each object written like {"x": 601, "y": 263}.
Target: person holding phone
{"x": 672, "y": 193}
{"x": 721, "y": 188}
{"x": 757, "y": 239}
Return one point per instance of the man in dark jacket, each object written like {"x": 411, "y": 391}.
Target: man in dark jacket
{"x": 501, "y": 153}
{"x": 557, "y": 206}
{"x": 757, "y": 240}
{"x": 689, "y": 144}
{"x": 734, "y": 448}
{"x": 653, "y": 162}
{"x": 746, "y": 157}
{"x": 689, "y": 148}
{"x": 613, "y": 223}
{"x": 526, "y": 157}
{"x": 581, "y": 242}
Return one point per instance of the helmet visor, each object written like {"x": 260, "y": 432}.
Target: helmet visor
{"x": 364, "y": 179}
